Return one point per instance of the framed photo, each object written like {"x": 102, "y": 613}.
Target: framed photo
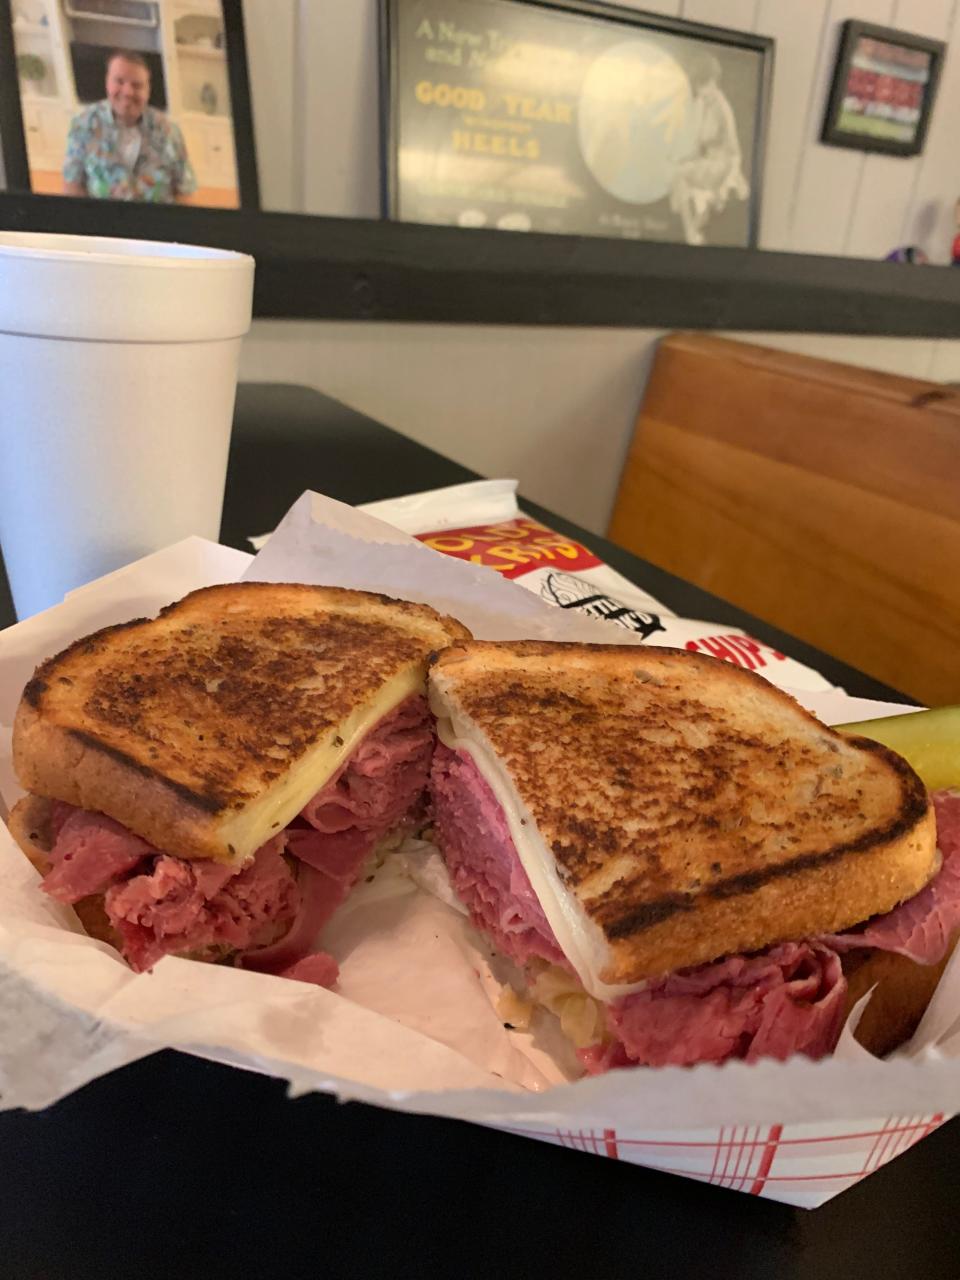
{"x": 137, "y": 100}
{"x": 883, "y": 89}
{"x": 573, "y": 117}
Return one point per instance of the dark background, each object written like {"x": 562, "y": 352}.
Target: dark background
{"x": 176, "y": 1169}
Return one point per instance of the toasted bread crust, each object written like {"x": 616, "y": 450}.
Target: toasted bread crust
{"x": 693, "y": 809}
{"x": 173, "y": 724}
{"x": 29, "y": 825}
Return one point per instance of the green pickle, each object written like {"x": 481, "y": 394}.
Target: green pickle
{"x": 929, "y": 740}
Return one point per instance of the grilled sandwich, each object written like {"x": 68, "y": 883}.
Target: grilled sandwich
{"x": 672, "y": 849}
{"x": 210, "y": 783}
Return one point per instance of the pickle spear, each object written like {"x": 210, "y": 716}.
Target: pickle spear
{"x": 929, "y": 740}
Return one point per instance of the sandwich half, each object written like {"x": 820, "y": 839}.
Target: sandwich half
{"x": 677, "y": 855}
{"x": 211, "y": 783}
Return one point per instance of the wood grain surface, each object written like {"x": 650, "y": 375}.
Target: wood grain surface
{"x": 822, "y": 497}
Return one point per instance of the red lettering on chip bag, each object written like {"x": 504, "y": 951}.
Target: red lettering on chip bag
{"x": 512, "y": 547}
{"x": 742, "y": 651}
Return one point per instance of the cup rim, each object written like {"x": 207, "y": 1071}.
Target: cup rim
{"x": 97, "y": 251}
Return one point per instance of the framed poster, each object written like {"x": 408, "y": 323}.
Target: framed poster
{"x": 139, "y": 100}
{"x": 573, "y": 117}
{"x": 884, "y": 84}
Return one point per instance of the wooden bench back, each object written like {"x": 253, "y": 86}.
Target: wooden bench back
{"x": 820, "y": 497}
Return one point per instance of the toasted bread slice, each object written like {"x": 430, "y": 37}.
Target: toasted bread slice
{"x": 29, "y": 824}
{"x": 671, "y": 809}
{"x": 206, "y": 729}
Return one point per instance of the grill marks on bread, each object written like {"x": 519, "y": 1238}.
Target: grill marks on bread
{"x": 226, "y": 689}
{"x": 671, "y": 787}
{"x": 627, "y": 781}
{"x": 232, "y": 710}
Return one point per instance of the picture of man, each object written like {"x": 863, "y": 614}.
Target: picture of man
{"x": 122, "y": 148}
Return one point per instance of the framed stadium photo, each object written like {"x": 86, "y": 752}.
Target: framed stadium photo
{"x": 883, "y": 89}
{"x": 577, "y": 118}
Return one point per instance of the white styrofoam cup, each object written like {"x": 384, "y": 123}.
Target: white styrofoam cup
{"x": 118, "y": 373}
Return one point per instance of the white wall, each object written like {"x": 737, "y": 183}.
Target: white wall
{"x": 318, "y": 132}
{"x": 315, "y": 91}
{"x": 556, "y": 407}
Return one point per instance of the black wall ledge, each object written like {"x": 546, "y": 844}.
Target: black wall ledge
{"x": 311, "y": 268}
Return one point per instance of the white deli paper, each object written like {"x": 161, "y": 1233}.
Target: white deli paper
{"x": 482, "y": 522}
{"x": 413, "y": 1023}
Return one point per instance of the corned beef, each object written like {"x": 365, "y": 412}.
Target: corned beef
{"x": 319, "y": 968}
{"x": 319, "y": 898}
{"x": 378, "y": 788}
{"x": 485, "y": 869}
{"x": 90, "y": 852}
{"x": 172, "y": 910}
{"x": 163, "y": 905}
{"x": 382, "y": 780}
{"x": 921, "y": 927}
{"x": 788, "y": 999}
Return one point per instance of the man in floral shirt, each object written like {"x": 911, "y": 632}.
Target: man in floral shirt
{"x": 124, "y": 149}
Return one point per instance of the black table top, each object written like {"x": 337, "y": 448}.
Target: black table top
{"x": 177, "y": 1167}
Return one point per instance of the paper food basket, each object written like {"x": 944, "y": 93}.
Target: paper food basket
{"x": 430, "y": 1040}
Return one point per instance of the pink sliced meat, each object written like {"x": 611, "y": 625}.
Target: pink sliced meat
{"x": 376, "y": 790}
{"x": 177, "y": 908}
{"x": 335, "y": 863}
{"x": 164, "y": 905}
{"x": 920, "y": 928}
{"x": 338, "y": 854}
{"x": 485, "y": 869}
{"x": 60, "y": 811}
{"x": 382, "y": 781}
{"x": 787, "y": 1000}
{"x": 319, "y": 898}
{"x": 330, "y": 866}
{"x": 89, "y": 853}
{"x": 320, "y": 969}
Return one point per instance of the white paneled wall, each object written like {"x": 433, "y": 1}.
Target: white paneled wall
{"x": 315, "y": 87}
{"x": 271, "y": 32}
{"x": 740, "y": 15}
{"x": 556, "y": 408}
{"x": 929, "y": 218}
{"x": 552, "y": 407}
{"x": 340, "y": 111}
{"x": 827, "y": 179}
{"x": 798, "y": 32}
{"x": 315, "y": 84}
